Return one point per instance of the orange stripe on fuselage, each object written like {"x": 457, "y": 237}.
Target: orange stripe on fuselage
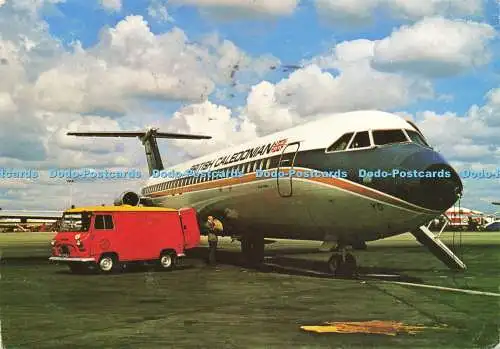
{"x": 331, "y": 181}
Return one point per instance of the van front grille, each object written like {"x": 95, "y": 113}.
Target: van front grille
{"x": 64, "y": 251}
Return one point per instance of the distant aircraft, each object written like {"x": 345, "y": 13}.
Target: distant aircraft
{"x": 349, "y": 210}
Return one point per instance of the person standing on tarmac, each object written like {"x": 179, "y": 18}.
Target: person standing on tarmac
{"x": 214, "y": 227}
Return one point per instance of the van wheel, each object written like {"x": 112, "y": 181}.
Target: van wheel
{"x": 168, "y": 260}
{"x": 107, "y": 263}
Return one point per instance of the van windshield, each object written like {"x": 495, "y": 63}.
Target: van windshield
{"x": 75, "y": 222}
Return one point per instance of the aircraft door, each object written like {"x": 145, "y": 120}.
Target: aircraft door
{"x": 286, "y": 163}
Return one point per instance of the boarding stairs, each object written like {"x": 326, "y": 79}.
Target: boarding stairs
{"x": 437, "y": 247}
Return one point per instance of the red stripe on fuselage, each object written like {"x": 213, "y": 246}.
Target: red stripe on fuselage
{"x": 331, "y": 181}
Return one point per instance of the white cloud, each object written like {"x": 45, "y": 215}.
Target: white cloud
{"x": 2, "y": 2}
{"x": 435, "y": 47}
{"x": 356, "y": 84}
{"x": 306, "y": 94}
{"x": 244, "y": 7}
{"x": 114, "y": 5}
{"x": 469, "y": 138}
{"x": 264, "y": 110}
{"x": 415, "y": 9}
{"x": 131, "y": 62}
{"x": 346, "y": 11}
{"x": 208, "y": 119}
{"x": 355, "y": 12}
{"x": 30, "y": 8}
{"x": 11, "y": 65}
{"x": 159, "y": 11}
{"x": 44, "y": 89}
{"x": 58, "y": 138}
{"x": 432, "y": 47}
{"x": 310, "y": 91}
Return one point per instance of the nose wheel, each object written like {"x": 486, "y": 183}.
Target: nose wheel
{"x": 342, "y": 264}
{"x": 253, "y": 249}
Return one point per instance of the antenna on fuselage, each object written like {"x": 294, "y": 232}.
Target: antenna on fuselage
{"x": 147, "y": 138}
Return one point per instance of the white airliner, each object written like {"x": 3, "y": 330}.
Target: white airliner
{"x": 326, "y": 191}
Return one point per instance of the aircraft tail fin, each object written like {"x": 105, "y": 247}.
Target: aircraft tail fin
{"x": 148, "y": 139}
{"x": 438, "y": 248}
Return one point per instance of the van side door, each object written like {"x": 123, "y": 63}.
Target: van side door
{"x": 190, "y": 227}
{"x": 105, "y": 239}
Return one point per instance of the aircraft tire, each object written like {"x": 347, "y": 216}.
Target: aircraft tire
{"x": 246, "y": 246}
{"x": 335, "y": 263}
{"x": 258, "y": 250}
{"x": 350, "y": 265}
{"x": 338, "y": 267}
{"x": 253, "y": 250}
{"x": 360, "y": 246}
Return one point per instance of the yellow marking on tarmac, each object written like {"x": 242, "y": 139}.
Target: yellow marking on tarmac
{"x": 389, "y": 328}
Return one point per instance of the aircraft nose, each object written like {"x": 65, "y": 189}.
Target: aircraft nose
{"x": 437, "y": 186}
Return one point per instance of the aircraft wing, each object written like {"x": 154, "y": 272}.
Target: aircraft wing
{"x": 138, "y": 134}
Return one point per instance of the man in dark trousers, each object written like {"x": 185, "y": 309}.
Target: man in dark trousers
{"x": 214, "y": 228}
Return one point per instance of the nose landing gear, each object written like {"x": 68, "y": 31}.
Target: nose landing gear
{"x": 252, "y": 247}
{"x": 342, "y": 264}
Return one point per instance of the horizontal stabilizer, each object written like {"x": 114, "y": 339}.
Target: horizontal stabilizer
{"x": 148, "y": 138}
{"x": 153, "y": 132}
{"x": 438, "y": 248}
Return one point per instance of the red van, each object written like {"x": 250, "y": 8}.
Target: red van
{"x": 109, "y": 236}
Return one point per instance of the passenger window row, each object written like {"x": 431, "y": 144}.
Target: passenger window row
{"x": 365, "y": 139}
{"x": 249, "y": 167}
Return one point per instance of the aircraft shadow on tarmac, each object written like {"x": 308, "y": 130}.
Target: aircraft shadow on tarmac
{"x": 280, "y": 262}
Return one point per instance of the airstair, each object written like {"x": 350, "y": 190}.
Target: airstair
{"x": 437, "y": 247}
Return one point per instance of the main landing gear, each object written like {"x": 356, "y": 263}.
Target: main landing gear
{"x": 252, "y": 247}
{"x": 342, "y": 264}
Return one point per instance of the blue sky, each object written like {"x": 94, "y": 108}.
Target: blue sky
{"x": 432, "y": 61}
{"x": 291, "y": 39}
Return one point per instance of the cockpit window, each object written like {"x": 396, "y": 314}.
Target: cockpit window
{"x": 416, "y": 138}
{"x": 383, "y": 137}
{"x": 341, "y": 143}
{"x": 361, "y": 140}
